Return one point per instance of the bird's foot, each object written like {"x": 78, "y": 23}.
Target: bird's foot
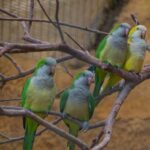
{"x": 85, "y": 126}
{"x": 116, "y": 66}
{"x": 137, "y": 75}
{"x": 64, "y": 115}
{"x": 106, "y": 62}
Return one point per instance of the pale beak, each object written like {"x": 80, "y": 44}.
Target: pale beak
{"x": 126, "y": 32}
{"x": 143, "y": 34}
{"x": 90, "y": 80}
{"x": 52, "y": 70}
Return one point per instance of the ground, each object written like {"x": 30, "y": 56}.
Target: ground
{"x": 131, "y": 130}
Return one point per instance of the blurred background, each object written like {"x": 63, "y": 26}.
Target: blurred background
{"x": 132, "y": 128}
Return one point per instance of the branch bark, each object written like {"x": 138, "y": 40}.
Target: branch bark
{"x": 50, "y": 126}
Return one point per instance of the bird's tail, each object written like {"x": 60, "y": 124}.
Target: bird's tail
{"x": 30, "y": 127}
{"x": 113, "y": 79}
{"x": 73, "y": 131}
{"x": 99, "y": 79}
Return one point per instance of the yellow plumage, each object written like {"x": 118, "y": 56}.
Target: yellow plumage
{"x": 134, "y": 63}
{"x": 136, "y": 49}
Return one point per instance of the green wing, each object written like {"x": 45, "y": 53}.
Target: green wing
{"x": 101, "y": 46}
{"x": 91, "y": 105}
{"x": 24, "y": 91}
{"x": 63, "y": 101}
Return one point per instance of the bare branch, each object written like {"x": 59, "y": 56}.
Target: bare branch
{"x": 67, "y": 70}
{"x": 31, "y": 8}
{"x": 111, "y": 118}
{"x": 97, "y": 138}
{"x": 26, "y": 36}
{"x": 15, "y": 139}
{"x": 107, "y": 92}
{"x": 134, "y": 18}
{"x": 58, "y": 114}
{"x": 57, "y": 20}
{"x": 61, "y": 23}
{"x": 74, "y": 41}
{"x": 8, "y": 13}
{"x": 18, "y": 68}
{"x": 5, "y": 49}
{"x": 50, "y": 126}
{"x": 9, "y": 99}
{"x": 4, "y": 135}
{"x": 22, "y": 48}
{"x": 44, "y": 11}
{"x": 22, "y": 74}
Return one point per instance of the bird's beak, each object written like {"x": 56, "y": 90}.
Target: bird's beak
{"x": 90, "y": 80}
{"x": 52, "y": 70}
{"x": 143, "y": 34}
{"x": 126, "y": 32}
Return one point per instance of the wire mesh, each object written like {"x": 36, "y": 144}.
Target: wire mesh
{"x": 78, "y": 12}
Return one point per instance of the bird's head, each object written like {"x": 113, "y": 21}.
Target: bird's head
{"x": 46, "y": 66}
{"x": 84, "y": 78}
{"x": 138, "y": 31}
{"x": 121, "y": 30}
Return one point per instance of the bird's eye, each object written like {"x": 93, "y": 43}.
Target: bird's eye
{"x": 137, "y": 28}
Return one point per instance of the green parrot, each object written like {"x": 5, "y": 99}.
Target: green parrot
{"x": 78, "y": 102}
{"x": 112, "y": 50}
{"x": 137, "y": 47}
{"x": 38, "y": 96}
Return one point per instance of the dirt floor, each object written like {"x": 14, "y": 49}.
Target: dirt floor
{"x": 132, "y": 128}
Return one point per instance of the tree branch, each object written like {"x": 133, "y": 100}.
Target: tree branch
{"x": 134, "y": 18}
{"x": 18, "y": 68}
{"x": 87, "y": 29}
{"x": 57, "y": 22}
{"x": 31, "y": 9}
{"x": 15, "y": 139}
{"x": 111, "y": 118}
{"x": 50, "y": 126}
{"x": 22, "y": 74}
{"x": 79, "y": 54}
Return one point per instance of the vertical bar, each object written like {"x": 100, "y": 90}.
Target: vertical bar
{"x": 2, "y": 25}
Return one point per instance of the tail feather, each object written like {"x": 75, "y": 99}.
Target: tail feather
{"x": 99, "y": 79}
{"x": 30, "y": 127}
{"x": 113, "y": 79}
{"x": 74, "y": 132}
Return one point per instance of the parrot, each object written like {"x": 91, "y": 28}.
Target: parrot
{"x": 38, "y": 95}
{"x": 137, "y": 47}
{"x": 112, "y": 50}
{"x": 77, "y": 101}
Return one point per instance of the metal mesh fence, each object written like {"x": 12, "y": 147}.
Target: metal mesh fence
{"x": 78, "y": 12}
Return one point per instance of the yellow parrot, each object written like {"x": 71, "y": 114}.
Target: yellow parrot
{"x": 137, "y": 47}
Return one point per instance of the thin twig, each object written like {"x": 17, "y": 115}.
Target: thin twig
{"x": 72, "y": 51}
{"x": 15, "y": 139}
{"x": 97, "y": 138}
{"x": 107, "y": 92}
{"x": 44, "y": 11}
{"x": 4, "y": 135}
{"x": 134, "y": 18}
{"x": 18, "y": 68}
{"x": 58, "y": 114}
{"x": 5, "y": 79}
{"x": 50, "y": 126}
{"x": 31, "y": 9}
{"x": 87, "y": 29}
{"x": 112, "y": 116}
{"x": 10, "y": 99}
{"x": 67, "y": 70}
{"x": 74, "y": 40}
{"x": 57, "y": 21}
